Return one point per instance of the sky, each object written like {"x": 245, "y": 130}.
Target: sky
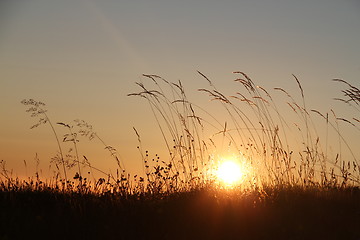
{"x": 82, "y": 58}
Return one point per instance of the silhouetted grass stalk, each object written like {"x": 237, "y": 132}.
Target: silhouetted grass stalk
{"x": 37, "y": 110}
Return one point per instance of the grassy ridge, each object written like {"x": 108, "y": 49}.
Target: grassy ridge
{"x": 273, "y": 213}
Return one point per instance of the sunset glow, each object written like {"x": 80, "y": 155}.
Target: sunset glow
{"x": 180, "y": 119}
{"x": 230, "y": 173}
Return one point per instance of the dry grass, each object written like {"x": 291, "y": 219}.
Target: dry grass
{"x": 257, "y": 129}
{"x": 295, "y": 189}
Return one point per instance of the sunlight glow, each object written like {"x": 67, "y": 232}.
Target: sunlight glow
{"x": 230, "y": 173}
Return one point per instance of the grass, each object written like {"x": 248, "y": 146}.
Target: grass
{"x": 275, "y": 213}
{"x": 298, "y": 185}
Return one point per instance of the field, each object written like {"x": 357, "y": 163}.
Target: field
{"x": 288, "y": 213}
{"x": 286, "y": 189}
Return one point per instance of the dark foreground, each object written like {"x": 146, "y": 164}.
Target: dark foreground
{"x": 291, "y": 213}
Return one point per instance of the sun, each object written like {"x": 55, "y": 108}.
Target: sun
{"x": 230, "y": 173}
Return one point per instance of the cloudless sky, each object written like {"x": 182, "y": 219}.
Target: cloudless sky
{"x": 82, "y": 57}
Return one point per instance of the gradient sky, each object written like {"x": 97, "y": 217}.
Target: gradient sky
{"x": 82, "y": 58}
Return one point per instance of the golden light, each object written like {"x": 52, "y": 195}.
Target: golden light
{"x": 230, "y": 173}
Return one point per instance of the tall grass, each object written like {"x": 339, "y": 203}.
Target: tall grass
{"x": 258, "y": 129}
{"x": 278, "y": 141}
